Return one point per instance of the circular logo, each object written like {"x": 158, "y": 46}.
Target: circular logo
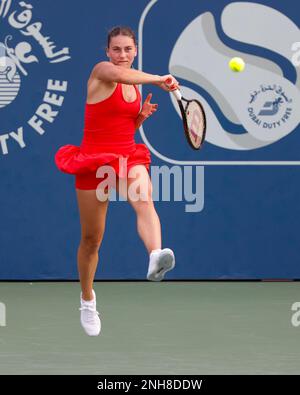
{"x": 248, "y": 110}
{"x": 270, "y": 108}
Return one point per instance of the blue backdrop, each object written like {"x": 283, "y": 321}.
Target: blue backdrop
{"x": 246, "y": 226}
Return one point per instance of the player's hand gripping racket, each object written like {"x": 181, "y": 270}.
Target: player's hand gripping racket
{"x": 193, "y": 118}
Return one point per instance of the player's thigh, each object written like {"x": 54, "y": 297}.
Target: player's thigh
{"x": 138, "y": 187}
{"x": 92, "y": 215}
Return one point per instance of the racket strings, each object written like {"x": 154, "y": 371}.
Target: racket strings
{"x": 196, "y": 122}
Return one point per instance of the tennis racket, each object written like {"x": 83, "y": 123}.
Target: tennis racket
{"x": 193, "y": 118}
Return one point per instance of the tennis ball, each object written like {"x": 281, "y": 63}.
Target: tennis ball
{"x": 237, "y": 64}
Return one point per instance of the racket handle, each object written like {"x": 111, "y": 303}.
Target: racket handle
{"x": 176, "y": 93}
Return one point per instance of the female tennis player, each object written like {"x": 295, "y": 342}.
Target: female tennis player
{"x": 113, "y": 113}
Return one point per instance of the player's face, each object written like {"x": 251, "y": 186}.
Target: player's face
{"x": 122, "y": 51}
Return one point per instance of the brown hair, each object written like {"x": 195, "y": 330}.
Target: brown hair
{"x": 121, "y": 31}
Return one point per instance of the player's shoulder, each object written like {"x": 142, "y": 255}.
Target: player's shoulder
{"x": 97, "y": 78}
{"x": 103, "y": 63}
{"x": 101, "y": 67}
{"x": 103, "y": 72}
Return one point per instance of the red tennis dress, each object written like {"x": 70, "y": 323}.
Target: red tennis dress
{"x": 108, "y": 139}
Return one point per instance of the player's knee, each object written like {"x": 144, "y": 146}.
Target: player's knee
{"x": 145, "y": 196}
{"x": 141, "y": 206}
{"x": 91, "y": 243}
{"x": 143, "y": 193}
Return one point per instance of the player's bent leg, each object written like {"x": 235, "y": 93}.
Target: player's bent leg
{"x": 139, "y": 195}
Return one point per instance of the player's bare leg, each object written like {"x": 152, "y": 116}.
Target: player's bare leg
{"x": 92, "y": 218}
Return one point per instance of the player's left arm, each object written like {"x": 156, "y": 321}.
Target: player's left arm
{"x": 147, "y": 110}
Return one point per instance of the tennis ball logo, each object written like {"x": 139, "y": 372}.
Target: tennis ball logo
{"x": 257, "y": 97}
{"x": 237, "y": 64}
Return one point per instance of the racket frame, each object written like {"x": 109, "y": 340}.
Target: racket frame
{"x": 184, "y": 119}
{"x": 177, "y": 94}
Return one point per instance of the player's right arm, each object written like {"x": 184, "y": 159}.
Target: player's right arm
{"x": 108, "y": 72}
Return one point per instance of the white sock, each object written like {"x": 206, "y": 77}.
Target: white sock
{"x": 88, "y": 301}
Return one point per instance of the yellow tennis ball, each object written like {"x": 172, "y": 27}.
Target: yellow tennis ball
{"x": 237, "y": 64}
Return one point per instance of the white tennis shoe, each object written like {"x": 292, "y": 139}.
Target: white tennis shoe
{"x": 89, "y": 316}
{"x": 161, "y": 261}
